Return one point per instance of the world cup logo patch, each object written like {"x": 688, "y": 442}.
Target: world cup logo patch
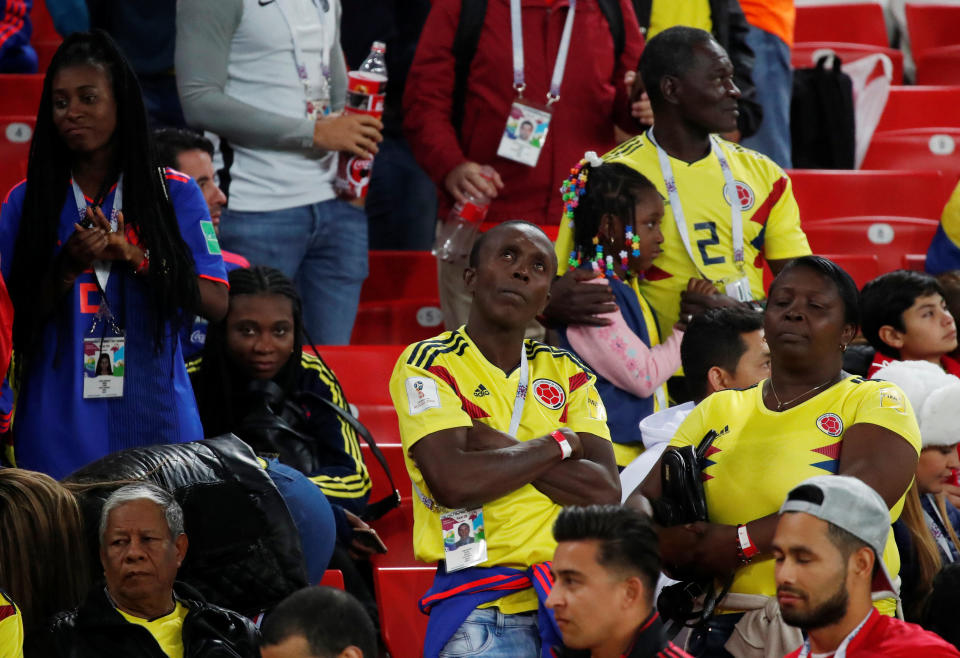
{"x": 549, "y": 393}
{"x": 830, "y": 424}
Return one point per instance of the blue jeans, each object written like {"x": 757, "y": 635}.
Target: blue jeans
{"x": 311, "y": 514}
{"x": 492, "y": 634}
{"x": 402, "y": 200}
{"x": 709, "y": 644}
{"x": 773, "y": 78}
{"x": 321, "y": 246}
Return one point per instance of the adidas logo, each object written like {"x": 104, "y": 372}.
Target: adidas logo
{"x": 480, "y": 391}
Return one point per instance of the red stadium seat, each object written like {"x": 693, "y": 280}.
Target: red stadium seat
{"x": 939, "y": 66}
{"x": 400, "y": 275}
{"x": 42, "y": 23}
{"x": 363, "y": 370}
{"x": 862, "y": 267}
{"x": 400, "y": 581}
{"x": 828, "y": 193}
{"x": 929, "y": 106}
{"x": 393, "y": 453}
{"x": 332, "y": 578}
{"x": 916, "y": 262}
{"x": 805, "y": 55}
{"x": 551, "y": 231}
{"x": 15, "y": 134}
{"x": 45, "y": 52}
{"x": 20, "y": 94}
{"x": 931, "y": 25}
{"x": 397, "y": 322}
{"x": 918, "y": 149}
{"x": 856, "y": 22}
{"x": 889, "y": 238}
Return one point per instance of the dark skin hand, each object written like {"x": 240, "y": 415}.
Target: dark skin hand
{"x": 569, "y": 482}
{"x": 572, "y": 301}
{"x": 357, "y": 549}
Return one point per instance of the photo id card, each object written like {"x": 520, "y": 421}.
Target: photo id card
{"x": 525, "y": 134}
{"x": 103, "y": 367}
{"x": 739, "y": 289}
{"x": 464, "y": 542}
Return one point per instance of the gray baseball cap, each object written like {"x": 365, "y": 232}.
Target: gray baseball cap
{"x": 854, "y": 506}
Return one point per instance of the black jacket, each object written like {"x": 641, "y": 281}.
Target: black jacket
{"x": 730, "y": 30}
{"x": 649, "y": 642}
{"x": 96, "y": 629}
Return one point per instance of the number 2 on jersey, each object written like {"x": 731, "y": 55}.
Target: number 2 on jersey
{"x": 708, "y": 242}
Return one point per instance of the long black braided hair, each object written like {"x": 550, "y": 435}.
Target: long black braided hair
{"x": 218, "y": 381}
{"x": 172, "y": 276}
{"x": 612, "y": 188}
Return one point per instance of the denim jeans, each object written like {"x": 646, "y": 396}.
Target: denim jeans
{"x": 773, "y": 78}
{"x": 402, "y": 200}
{"x": 709, "y": 644}
{"x": 492, "y": 634}
{"x": 322, "y": 247}
{"x": 311, "y": 514}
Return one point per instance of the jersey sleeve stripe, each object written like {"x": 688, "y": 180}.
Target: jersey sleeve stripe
{"x": 472, "y": 409}
{"x": 215, "y": 279}
{"x": 424, "y": 346}
{"x": 10, "y": 191}
{"x": 763, "y": 212}
{"x": 457, "y": 347}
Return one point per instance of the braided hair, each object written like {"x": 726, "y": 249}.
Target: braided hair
{"x": 219, "y": 380}
{"x": 172, "y": 278}
{"x": 611, "y": 188}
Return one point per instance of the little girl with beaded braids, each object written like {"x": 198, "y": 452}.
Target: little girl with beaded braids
{"x": 615, "y": 212}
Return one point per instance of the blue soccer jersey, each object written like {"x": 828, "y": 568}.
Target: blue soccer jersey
{"x": 55, "y": 429}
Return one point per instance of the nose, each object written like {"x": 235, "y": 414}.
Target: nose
{"x": 553, "y": 599}
{"x": 262, "y": 344}
{"x": 521, "y": 271}
{"x": 953, "y": 459}
{"x": 732, "y": 89}
{"x": 134, "y": 551}
{"x": 658, "y": 236}
{"x": 219, "y": 198}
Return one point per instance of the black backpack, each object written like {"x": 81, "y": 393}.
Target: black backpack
{"x": 472, "y": 13}
{"x": 821, "y": 117}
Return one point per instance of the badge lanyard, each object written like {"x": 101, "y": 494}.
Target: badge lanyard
{"x": 516, "y": 35}
{"x": 100, "y": 268}
{"x": 730, "y": 189}
{"x": 936, "y": 532}
{"x": 841, "y": 651}
{"x": 303, "y": 71}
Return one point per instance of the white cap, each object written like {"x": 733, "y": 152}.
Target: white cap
{"x": 934, "y": 396}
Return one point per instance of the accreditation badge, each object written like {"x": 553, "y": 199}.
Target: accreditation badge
{"x": 464, "y": 540}
{"x": 104, "y": 358}
{"x": 739, "y": 289}
{"x": 525, "y": 133}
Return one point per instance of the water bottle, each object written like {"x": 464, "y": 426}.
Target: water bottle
{"x": 366, "y": 92}
{"x": 458, "y": 232}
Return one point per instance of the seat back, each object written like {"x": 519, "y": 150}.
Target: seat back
{"x": 856, "y": 22}
{"x": 889, "y": 238}
{"x": 929, "y": 106}
{"x": 931, "y": 25}
{"x": 20, "y": 94}
{"x": 805, "y": 55}
{"x": 939, "y": 66}
{"x": 918, "y": 149}
{"x": 400, "y": 275}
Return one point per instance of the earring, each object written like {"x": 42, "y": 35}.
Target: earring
{"x": 843, "y": 348}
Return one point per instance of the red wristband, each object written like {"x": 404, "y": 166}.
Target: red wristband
{"x": 565, "y": 449}
{"x": 746, "y": 549}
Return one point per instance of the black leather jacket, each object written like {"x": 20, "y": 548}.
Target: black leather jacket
{"x": 96, "y": 630}
{"x": 730, "y": 30}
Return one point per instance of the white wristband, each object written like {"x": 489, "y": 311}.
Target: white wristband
{"x": 565, "y": 449}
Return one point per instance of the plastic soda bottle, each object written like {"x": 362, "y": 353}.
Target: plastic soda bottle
{"x": 456, "y": 235}
{"x": 366, "y": 92}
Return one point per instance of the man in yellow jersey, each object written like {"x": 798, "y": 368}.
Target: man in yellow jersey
{"x": 728, "y": 209}
{"x": 141, "y": 611}
{"x": 499, "y": 432}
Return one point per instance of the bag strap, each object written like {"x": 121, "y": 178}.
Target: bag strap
{"x": 389, "y": 502}
{"x": 614, "y": 14}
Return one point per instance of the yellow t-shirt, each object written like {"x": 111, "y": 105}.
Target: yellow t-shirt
{"x": 667, "y": 13}
{"x": 445, "y": 383}
{"x": 11, "y": 629}
{"x": 771, "y": 221}
{"x": 166, "y": 630}
{"x": 761, "y": 454}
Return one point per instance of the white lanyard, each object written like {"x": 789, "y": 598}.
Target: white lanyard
{"x": 521, "y": 396}
{"x": 516, "y": 35}
{"x": 841, "y": 651}
{"x": 935, "y": 528}
{"x": 303, "y": 71}
{"x": 730, "y": 191}
{"x": 100, "y": 268}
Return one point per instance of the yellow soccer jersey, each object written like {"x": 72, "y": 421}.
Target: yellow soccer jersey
{"x": 445, "y": 383}
{"x": 692, "y": 13}
{"x": 166, "y": 630}
{"x": 771, "y": 221}
{"x": 761, "y": 454}
{"x": 11, "y": 629}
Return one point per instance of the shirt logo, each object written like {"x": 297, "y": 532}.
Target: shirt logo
{"x": 549, "y": 393}
{"x": 830, "y": 424}
{"x": 210, "y": 235}
{"x": 421, "y": 394}
{"x": 891, "y": 399}
{"x": 480, "y": 391}
{"x": 743, "y": 193}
